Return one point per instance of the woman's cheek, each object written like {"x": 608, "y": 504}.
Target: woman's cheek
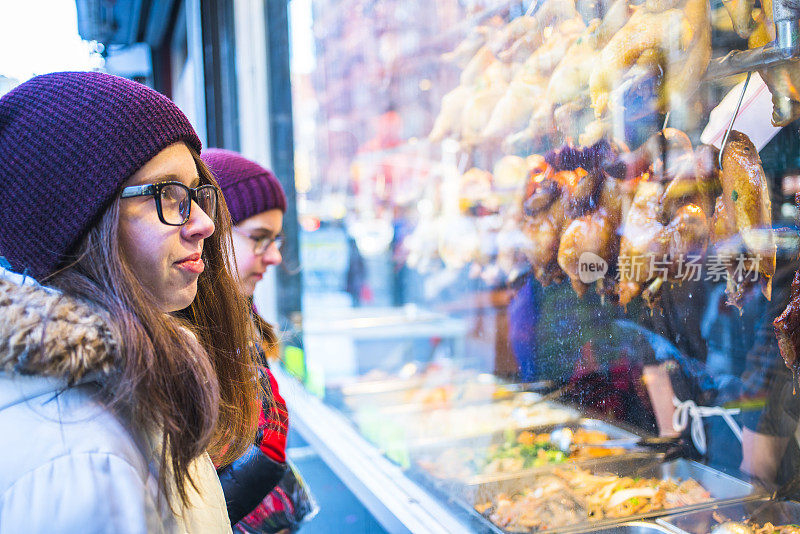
{"x": 244, "y": 258}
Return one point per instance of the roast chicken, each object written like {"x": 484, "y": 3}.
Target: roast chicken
{"x": 678, "y": 39}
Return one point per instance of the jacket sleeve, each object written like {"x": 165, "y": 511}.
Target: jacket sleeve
{"x": 248, "y": 480}
{"x": 88, "y": 493}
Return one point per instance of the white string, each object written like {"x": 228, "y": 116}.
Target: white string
{"x": 686, "y": 409}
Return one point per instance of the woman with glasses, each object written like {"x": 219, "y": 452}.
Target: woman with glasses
{"x": 257, "y": 204}
{"x": 125, "y": 354}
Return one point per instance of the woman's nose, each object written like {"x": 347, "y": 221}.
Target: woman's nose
{"x": 199, "y": 225}
{"x": 272, "y": 256}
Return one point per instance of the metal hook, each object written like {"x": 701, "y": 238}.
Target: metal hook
{"x": 666, "y": 120}
{"x": 735, "y": 114}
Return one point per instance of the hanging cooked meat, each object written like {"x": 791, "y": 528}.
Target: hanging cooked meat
{"x": 667, "y": 226}
{"x": 512, "y": 112}
{"x": 595, "y": 233}
{"x": 650, "y": 35}
{"x": 643, "y": 237}
{"x": 693, "y": 178}
{"x": 466, "y": 49}
{"x": 662, "y": 154}
{"x": 477, "y": 111}
{"x": 787, "y": 330}
{"x": 543, "y": 221}
{"x": 449, "y": 119}
{"x": 783, "y": 82}
{"x": 745, "y": 195}
{"x": 741, "y": 13}
{"x": 688, "y": 235}
{"x": 570, "y": 79}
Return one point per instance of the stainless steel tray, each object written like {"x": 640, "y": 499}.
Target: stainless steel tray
{"x": 384, "y": 385}
{"x": 430, "y": 427}
{"x": 423, "y": 378}
{"x": 761, "y": 511}
{"x": 723, "y": 488}
{"x": 635, "y": 527}
{"x": 433, "y": 453}
{"x": 430, "y": 396}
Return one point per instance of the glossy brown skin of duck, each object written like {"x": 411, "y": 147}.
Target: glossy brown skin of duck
{"x": 543, "y": 222}
{"x": 688, "y": 235}
{"x": 787, "y": 327}
{"x": 595, "y": 232}
{"x": 643, "y": 237}
{"x": 745, "y": 195}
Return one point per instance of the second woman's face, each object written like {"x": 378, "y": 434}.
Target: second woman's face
{"x": 165, "y": 259}
{"x": 251, "y": 266}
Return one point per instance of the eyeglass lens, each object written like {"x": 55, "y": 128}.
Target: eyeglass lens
{"x": 176, "y": 202}
{"x": 263, "y": 244}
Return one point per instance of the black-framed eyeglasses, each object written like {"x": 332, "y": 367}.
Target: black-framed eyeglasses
{"x": 261, "y": 244}
{"x": 174, "y": 200}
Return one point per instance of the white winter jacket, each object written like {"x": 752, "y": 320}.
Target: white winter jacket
{"x": 67, "y": 464}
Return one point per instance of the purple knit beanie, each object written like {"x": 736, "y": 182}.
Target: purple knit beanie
{"x": 248, "y": 187}
{"x": 68, "y": 140}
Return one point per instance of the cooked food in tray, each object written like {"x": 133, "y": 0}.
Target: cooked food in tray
{"x": 433, "y": 396}
{"x": 433, "y": 385}
{"x": 752, "y": 517}
{"x": 435, "y": 425}
{"x": 520, "y": 451}
{"x": 573, "y": 496}
{"x": 747, "y": 527}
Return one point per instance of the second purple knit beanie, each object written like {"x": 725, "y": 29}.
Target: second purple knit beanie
{"x": 68, "y": 141}
{"x": 248, "y": 187}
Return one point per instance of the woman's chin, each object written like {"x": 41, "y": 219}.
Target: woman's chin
{"x": 181, "y": 299}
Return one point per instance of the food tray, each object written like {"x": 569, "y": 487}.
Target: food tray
{"x": 635, "y": 527}
{"x": 723, "y": 488}
{"x": 433, "y": 453}
{"x": 384, "y": 385}
{"x": 431, "y": 396}
{"x": 761, "y": 511}
{"x": 423, "y": 378}
{"x": 429, "y": 427}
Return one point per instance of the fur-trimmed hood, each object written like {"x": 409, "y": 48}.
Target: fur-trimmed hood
{"x": 46, "y": 333}
{"x": 65, "y": 442}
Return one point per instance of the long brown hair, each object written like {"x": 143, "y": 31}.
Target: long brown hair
{"x": 189, "y": 376}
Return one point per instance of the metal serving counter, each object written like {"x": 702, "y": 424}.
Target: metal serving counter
{"x": 413, "y": 501}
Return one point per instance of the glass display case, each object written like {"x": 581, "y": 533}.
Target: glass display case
{"x": 548, "y": 254}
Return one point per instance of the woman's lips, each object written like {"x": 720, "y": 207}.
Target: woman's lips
{"x": 193, "y": 264}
